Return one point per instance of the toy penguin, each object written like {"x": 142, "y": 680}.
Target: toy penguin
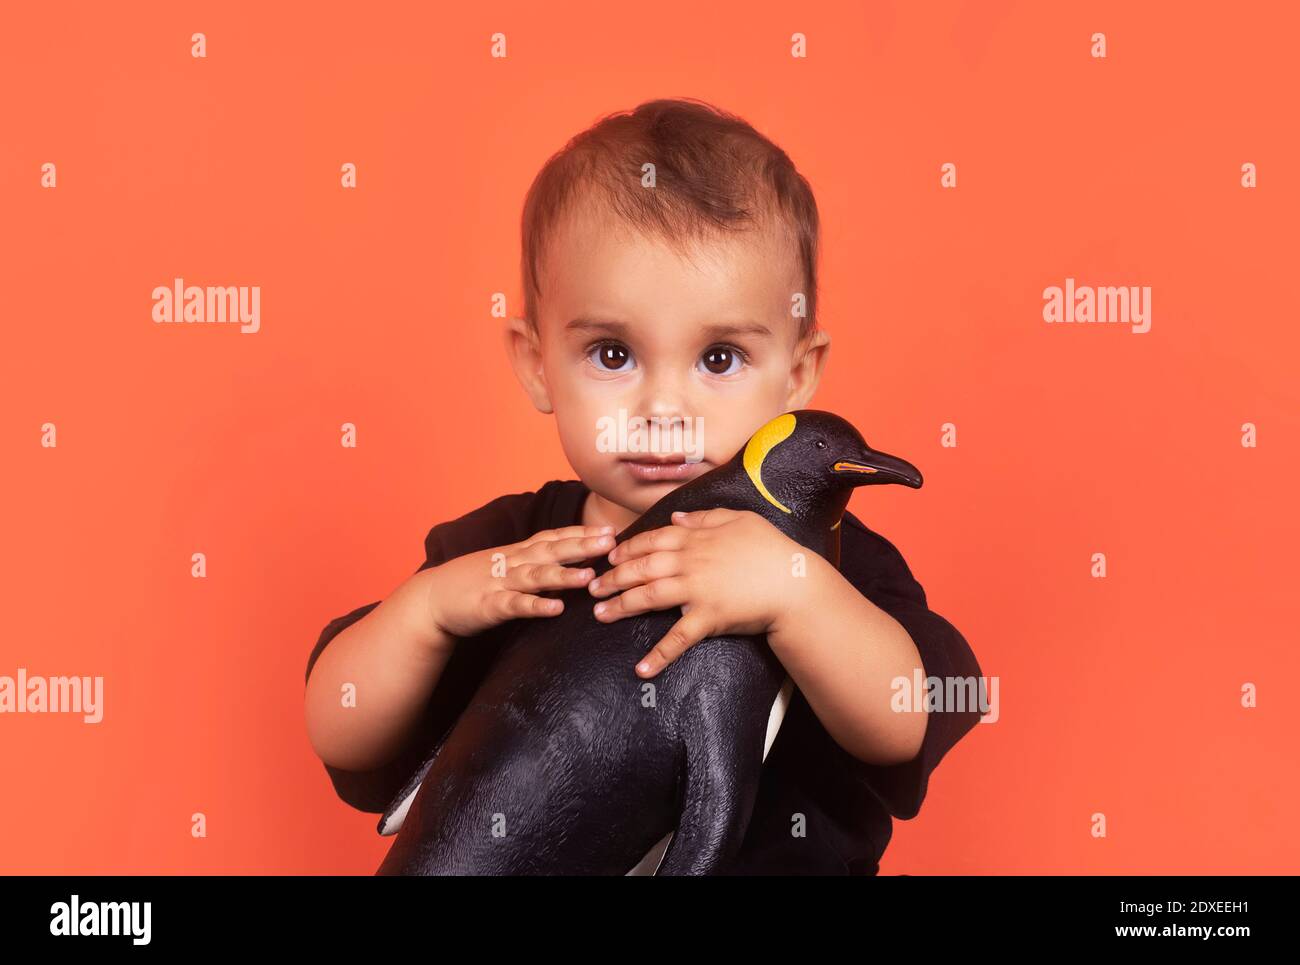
{"x": 561, "y": 764}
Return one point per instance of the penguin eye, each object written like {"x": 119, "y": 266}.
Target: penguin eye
{"x": 610, "y": 356}
{"x": 821, "y": 443}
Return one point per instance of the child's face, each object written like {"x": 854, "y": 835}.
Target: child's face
{"x": 628, "y": 324}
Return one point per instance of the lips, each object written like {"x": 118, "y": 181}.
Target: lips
{"x": 658, "y": 460}
{"x": 664, "y": 468}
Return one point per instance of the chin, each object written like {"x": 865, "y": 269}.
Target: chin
{"x": 646, "y": 495}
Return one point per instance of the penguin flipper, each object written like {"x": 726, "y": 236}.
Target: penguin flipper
{"x": 390, "y": 822}
{"x": 722, "y": 764}
{"x": 649, "y": 865}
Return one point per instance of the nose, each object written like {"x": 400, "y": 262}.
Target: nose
{"x": 664, "y": 402}
{"x": 664, "y": 410}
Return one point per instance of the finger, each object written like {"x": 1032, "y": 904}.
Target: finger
{"x": 643, "y": 569}
{"x": 658, "y": 595}
{"x": 704, "y": 518}
{"x": 563, "y": 532}
{"x": 572, "y": 549}
{"x": 531, "y": 577}
{"x": 508, "y": 604}
{"x": 684, "y": 634}
{"x": 663, "y": 538}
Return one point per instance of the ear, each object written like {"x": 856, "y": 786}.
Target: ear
{"x": 524, "y": 351}
{"x": 806, "y": 371}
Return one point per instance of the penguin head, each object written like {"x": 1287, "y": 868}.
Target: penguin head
{"x": 808, "y": 457}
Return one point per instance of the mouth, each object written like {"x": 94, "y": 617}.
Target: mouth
{"x": 671, "y": 467}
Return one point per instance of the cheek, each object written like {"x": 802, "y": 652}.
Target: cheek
{"x": 582, "y": 402}
{"x": 576, "y": 433}
{"x": 729, "y": 422}
{"x": 572, "y": 385}
{"x": 579, "y": 421}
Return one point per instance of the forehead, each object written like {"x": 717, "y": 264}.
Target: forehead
{"x": 596, "y": 263}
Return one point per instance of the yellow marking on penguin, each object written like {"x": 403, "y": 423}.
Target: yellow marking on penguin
{"x": 837, "y": 523}
{"x": 846, "y": 466}
{"x": 760, "y": 444}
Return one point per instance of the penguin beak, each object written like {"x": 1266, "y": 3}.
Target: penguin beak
{"x": 875, "y": 468}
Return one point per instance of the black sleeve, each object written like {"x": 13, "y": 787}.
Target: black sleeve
{"x": 944, "y": 654}
{"x": 504, "y": 520}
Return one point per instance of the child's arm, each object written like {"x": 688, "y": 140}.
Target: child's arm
{"x": 843, "y": 652}
{"x": 369, "y": 686}
{"x": 392, "y": 659}
{"x": 849, "y": 634}
{"x": 882, "y": 575}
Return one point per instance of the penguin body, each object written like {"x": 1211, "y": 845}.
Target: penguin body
{"x": 567, "y": 762}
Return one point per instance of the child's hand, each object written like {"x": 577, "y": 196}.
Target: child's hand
{"x": 477, "y": 591}
{"x": 731, "y": 572}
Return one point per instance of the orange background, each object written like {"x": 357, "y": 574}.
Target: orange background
{"x": 1118, "y": 695}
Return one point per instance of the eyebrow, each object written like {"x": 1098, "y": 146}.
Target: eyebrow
{"x": 717, "y": 330}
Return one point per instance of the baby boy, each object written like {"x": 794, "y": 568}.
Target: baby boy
{"x": 670, "y": 275}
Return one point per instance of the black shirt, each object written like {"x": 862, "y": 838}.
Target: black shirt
{"x": 847, "y": 804}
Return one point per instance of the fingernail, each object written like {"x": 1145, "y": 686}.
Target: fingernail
{"x": 607, "y": 529}
{"x": 679, "y": 512}
{"x": 595, "y": 584}
{"x": 598, "y": 609}
{"x": 643, "y": 667}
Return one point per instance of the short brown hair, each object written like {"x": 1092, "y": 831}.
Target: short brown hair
{"x": 713, "y": 173}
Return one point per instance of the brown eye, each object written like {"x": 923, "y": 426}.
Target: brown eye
{"x": 610, "y": 356}
{"x": 722, "y": 360}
